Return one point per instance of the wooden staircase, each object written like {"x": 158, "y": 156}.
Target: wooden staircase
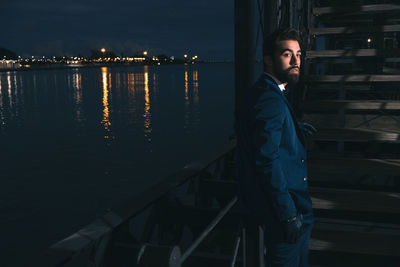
{"x": 352, "y": 96}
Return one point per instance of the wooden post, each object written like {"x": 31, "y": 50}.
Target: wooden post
{"x": 244, "y": 49}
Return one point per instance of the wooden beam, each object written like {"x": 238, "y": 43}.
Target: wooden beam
{"x": 355, "y": 200}
{"x": 335, "y": 105}
{"x": 244, "y": 50}
{"x": 333, "y": 87}
{"x": 355, "y": 135}
{"x": 317, "y": 11}
{"x": 360, "y": 29}
{"x": 335, "y": 199}
{"x": 354, "y": 165}
{"x": 355, "y": 237}
{"x": 352, "y": 78}
{"x": 353, "y": 53}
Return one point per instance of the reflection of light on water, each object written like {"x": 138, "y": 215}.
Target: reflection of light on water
{"x": 196, "y": 86}
{"x": 117, "y": 80}
{"x": 35, "y": 94}
{"x": 186, "y": 87}
{"x": 192, "y": 113}
{"x": 77, "y": 83}
{"x": 1, "y": 95}
{"x": 106, "y": 113}
{"x": 77, "y": 77}
{"x": 2, "y": 119}
{"x": 9, "y": 89}
{"x": 16, "y": 90}
{"x": 9, "y": 97}
{"x": 154, "y": 89}
{"x": 147, "y": 114}
{"x": 131, "y": 82}
{"x": 187, "y": 104}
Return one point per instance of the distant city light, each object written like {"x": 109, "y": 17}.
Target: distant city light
{"x": 103, "y": 50}
{"x": 369, "y": 40}
{"x": 145, "y": 53}
{"x": 185, "y": 56}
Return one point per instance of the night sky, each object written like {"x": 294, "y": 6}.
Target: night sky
{"x": 69, "y": 27}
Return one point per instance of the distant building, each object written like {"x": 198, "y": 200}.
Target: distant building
{"x": 9, "y": 64}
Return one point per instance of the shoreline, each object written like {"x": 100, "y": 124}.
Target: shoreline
{"x": 66, "y": 66}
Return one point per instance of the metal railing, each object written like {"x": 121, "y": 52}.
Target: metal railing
{"x": 89, "y": 244}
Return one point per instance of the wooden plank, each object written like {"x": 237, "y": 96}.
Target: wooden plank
{"x": 356, "y": 237}
{"x": 352, "y": 78}
{"x": 355, "y": 135}
{"x": 353, "y": 165}
{"x": 353, "y": 53}
{"x": 338, "y": 199}
{"x": 333, "y": 87}
{"x": 358, "y": 29}
{"x": 355, "y": 200}
{"x": 317, "y": 11}
{"x": 335, "y": 105}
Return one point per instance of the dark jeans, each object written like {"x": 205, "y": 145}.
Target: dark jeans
{"x": 282, "y": 254}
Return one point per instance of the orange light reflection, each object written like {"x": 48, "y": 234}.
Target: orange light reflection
{"x": 147, "y": 114}
{"x": 106, "y": 113}
{"x": 196, "y": 86}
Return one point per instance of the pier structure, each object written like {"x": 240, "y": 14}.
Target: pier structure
{"x": 350, "y": 93}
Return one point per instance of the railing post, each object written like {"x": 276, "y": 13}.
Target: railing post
{"x": 159, "y": 256}
{"x": 253, "y": 244}
{"x": 209, "y": 228}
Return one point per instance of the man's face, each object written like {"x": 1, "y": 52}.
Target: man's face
{"x": 286, "y": 61}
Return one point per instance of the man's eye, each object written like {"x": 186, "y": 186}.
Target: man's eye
{"x": 286, "y": 55}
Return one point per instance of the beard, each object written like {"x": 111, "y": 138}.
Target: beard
{"x": 285, "y": 76}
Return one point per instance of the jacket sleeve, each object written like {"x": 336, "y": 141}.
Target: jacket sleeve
{"x": 270, "y": 119}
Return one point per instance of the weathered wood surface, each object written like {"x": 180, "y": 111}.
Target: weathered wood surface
{"x": 326, "y": 87}
{"x": 325, "y": 198}
{"x": 354, "y": 165}
{"x": 336, "y": 105}
{"x": 356, "y": 135}
{"x": 382, "y": 8}
{"x": 355, "y": 200}
{"x": 352, "y": 78}
{"x": 358, "y": 29}
{"x": 356, "y": 237}
{"x": 353, "y": 53}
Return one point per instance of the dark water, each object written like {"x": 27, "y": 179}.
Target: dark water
{"x": 74, "y": 142}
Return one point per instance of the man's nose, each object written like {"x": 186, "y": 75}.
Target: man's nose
{"x": 295, "y": 60}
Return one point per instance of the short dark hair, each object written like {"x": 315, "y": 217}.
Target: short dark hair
{"x": 271, "y": 40}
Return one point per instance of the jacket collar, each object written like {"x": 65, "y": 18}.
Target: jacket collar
{"x": 273, "y": 78}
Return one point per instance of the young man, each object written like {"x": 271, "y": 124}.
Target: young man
{"x": 272, "y": 156}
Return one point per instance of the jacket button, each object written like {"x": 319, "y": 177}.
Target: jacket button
{"x": 302, "y": 160}
{"x": 305, "y": 179}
